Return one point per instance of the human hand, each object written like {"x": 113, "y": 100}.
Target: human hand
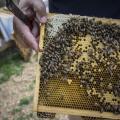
{"x": 34, "y": 9}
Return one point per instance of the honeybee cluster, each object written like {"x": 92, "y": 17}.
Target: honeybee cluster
{"x": 65, "y": 55}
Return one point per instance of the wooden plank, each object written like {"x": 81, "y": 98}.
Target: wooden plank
{"x": 36, "y": 96}
{"x": 78, "y": 112}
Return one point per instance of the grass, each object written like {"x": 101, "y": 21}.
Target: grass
{"x": 31, "y": 86}
{"x": 5, "y": 118}
{"x": 27, "y": 117}
{"x": 21, "y": 118}
{"x": 10, "y": 64}
{"x": 25, "y": 101}
{"x": 16, "y": 110}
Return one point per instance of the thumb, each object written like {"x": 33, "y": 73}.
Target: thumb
{"x": 40, "y": 9}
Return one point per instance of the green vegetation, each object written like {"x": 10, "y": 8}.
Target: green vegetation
{"x": 33, "y": 82}
{"x": 21, "y": 118}
{"x": 26, "y": 117}
{"x": 25, "y": 100}
{"x": 5, "y": 118}
{"x": 16, "y": 110}
{"x": 10, "y": 64}
{"x": 31, "y": 86}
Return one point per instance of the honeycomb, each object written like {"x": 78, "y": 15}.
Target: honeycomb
{"x": 78, "y": 71}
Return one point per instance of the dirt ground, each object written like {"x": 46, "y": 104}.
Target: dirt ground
{"x": 16, "y": 96}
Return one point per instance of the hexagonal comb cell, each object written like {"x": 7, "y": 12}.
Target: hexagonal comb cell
{"x": 79, "y": 68}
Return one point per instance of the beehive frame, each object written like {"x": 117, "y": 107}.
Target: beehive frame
{"x": 43, "y": 108}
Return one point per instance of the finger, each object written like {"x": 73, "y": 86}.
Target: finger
{"x": 18, "y": 35}
{"x": 35, "y": 30}
{"x": 21, "y": 42}
{"x": 31, "y": 40}
{"x": 36, "y": 33}
{"x": 24, "y": 32}
{"x": 38, "y": 39}
{"x": 40, "y": 10}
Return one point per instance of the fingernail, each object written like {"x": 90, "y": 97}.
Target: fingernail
{"x": 43, "y": 19}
